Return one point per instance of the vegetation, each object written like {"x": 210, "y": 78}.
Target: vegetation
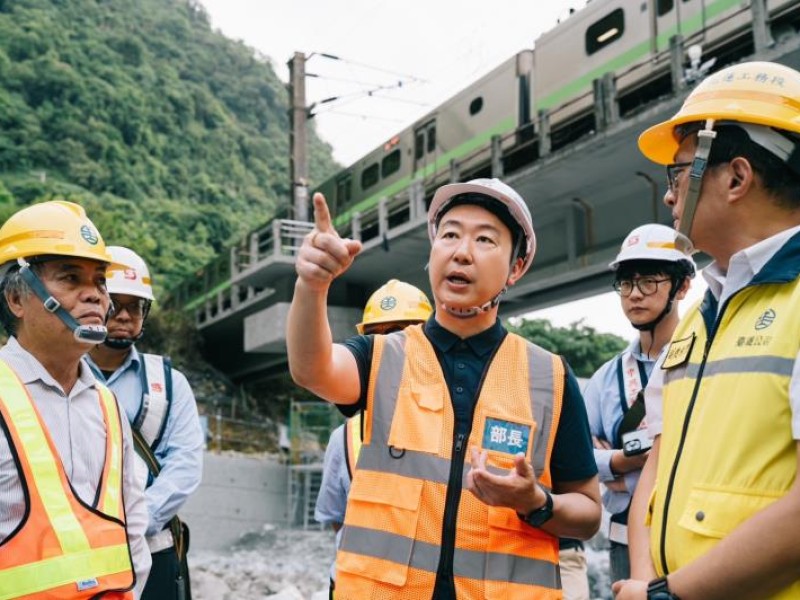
{"x": 584, "y": 347}
{"x": 173, "y": 137}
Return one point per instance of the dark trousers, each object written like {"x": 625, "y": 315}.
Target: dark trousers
{"x": 163, "y": 582}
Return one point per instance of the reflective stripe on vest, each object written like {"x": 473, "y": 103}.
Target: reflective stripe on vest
{"x": 152, "y": 416}
{"x": 352, "y": 440}
{"x": 63, "y": 549}
{"x": 727, "y": 447}
{"x": 391, "y": 540}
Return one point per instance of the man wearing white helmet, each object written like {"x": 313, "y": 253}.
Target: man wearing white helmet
{"x": 161, "y": 408}
{"x": 652, "y": 272}
{"x": 72, "y": 514}
{"x": 724, "y": 513}
{"x": 476, "y": 454}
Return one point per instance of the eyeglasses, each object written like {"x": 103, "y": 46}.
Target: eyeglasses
{"x": 646, "y": 285}
{"x": 673, "y": 172}
{"x": 136, "y": 309}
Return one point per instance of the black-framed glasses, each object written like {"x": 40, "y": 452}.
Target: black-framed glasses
{"x": 136, "y": 308}
{"x": 646, "y": 285}
{"x": 673, "y": 172}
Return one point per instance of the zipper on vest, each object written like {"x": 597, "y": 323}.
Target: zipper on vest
{"x": 671, "y": 484}
{"x": 445, "y": 570}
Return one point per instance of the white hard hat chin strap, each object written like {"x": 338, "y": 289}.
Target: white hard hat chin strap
{"x": 699, "y": 163}
{"x": 474, "y": 311}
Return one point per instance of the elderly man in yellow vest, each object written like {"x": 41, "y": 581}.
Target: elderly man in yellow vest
{"x": 72, "y": 517}
{"x": 476, "y": 454}
{"x": 725, "y": 516}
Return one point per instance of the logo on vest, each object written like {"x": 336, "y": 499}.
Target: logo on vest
{"x": 505, "y": 436}
{"x": 86, "y": 584}
{"x": 156, "y": 387}
{"x": 765, "y": 320}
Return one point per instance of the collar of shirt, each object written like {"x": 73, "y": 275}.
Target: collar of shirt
{"x": 635, "y": 348}
{"x": 744, "y": 265}
{"x": 481, "y": 344}
{"x": 30, "y": 370}
{"x": 132, "y": 361}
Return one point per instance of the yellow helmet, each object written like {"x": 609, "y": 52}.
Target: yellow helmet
{"x": 395, "y": 301}
{"x": 761, "y": 93}
{"x": 51, "y": 228}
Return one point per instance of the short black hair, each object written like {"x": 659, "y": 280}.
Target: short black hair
{"x": 777, "y": 178}
{"x": 675, "y": 270}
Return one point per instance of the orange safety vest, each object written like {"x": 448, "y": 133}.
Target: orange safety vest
{"x": 63, "y": 549}
{"x": 393, "y": 532}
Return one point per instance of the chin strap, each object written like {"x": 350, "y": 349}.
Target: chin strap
{"x": 123, "y": 343}
{"x": 699, "y": 163}
{"x": 88, "y": 334}
{"x": 473, "y": 311}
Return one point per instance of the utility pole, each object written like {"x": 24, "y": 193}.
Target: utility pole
{"x": 298, "y": 136}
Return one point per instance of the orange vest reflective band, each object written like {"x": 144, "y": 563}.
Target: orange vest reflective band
{"x": 63, "y": 549}
{"x": 392, "y": 538}
{"x": 352, "y": 441}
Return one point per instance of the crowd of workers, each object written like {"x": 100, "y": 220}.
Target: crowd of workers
{"x": 471, "y": 457}
{"x": 470, "y": 466}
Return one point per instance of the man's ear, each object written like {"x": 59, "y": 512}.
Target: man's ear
{"x": 516, "y": 272}
{"x": 683, "y": 289}
{"x": 14, "y": 302}
{"x": 741, "y": 177}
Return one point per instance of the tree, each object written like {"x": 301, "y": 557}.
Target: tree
{"x": 584, "y": 347}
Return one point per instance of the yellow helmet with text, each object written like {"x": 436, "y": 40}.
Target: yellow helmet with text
{"x": 758, "y": 93}
{"x": 395, "y": 302}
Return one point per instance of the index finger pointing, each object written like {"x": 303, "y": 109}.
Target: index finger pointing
{"x": 322, "y": 216}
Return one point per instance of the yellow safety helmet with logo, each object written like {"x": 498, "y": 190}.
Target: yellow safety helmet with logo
{"x": 761, "y": 93}
{"x": 395, "y": 301}
{"x": 55, "y": 228}
{"x": 52, "y": 229}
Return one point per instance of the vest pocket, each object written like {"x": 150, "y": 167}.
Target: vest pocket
{"x": 418, "y": 418}
{"x": 715, "y": 513}
{"x": 380, "y": 528}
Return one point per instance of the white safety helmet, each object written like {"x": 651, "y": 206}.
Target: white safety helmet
{"x": 128, "y": 274}
{"x": 493, "y": 188}
{"x": 656, "y": 242}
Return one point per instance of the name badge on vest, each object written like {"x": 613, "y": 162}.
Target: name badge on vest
{"x": 678, "y": 352}
{"x": 505, "y": 436}
{"x": 86, "y": 584}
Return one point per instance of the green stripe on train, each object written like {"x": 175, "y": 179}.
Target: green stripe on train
{"x": 688, "y": 27}
{"x": 507, "y": 125}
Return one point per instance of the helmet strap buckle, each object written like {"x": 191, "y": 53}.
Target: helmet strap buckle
{"x": 51, "y": 304}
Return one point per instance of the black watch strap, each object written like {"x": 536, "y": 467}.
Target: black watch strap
{"x": 658, "y": 589}
{"x": 540, "y": 516}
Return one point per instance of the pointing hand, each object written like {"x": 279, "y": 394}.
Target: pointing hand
{"x": 324, "y": 255}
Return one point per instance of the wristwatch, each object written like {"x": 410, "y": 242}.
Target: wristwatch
{"x": 658, "y": 589}
{"x": 539, "y": 516}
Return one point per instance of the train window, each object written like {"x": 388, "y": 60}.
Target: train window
{"x": 344, "y": 190}
{"x": 475, "y": 106}
{"x": 370, "y": 176}
{"x": 431, "y": 137}
{"x": 664, "y": 6}
{"x": 605, "y": 31}
{"x": 390, "y": 163}
{"x": 419, "y": 144}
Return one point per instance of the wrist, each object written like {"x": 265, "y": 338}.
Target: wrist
{"x": 658, "y": 589}
{"x": 540, "y": 514}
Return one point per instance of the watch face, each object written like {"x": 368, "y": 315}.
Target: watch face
{"x": 660, "y": 596}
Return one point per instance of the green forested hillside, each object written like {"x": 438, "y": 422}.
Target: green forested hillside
{"x": 173, "y": 137}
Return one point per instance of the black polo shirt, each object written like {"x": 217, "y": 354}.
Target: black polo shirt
{"x": 463, "y": 363}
